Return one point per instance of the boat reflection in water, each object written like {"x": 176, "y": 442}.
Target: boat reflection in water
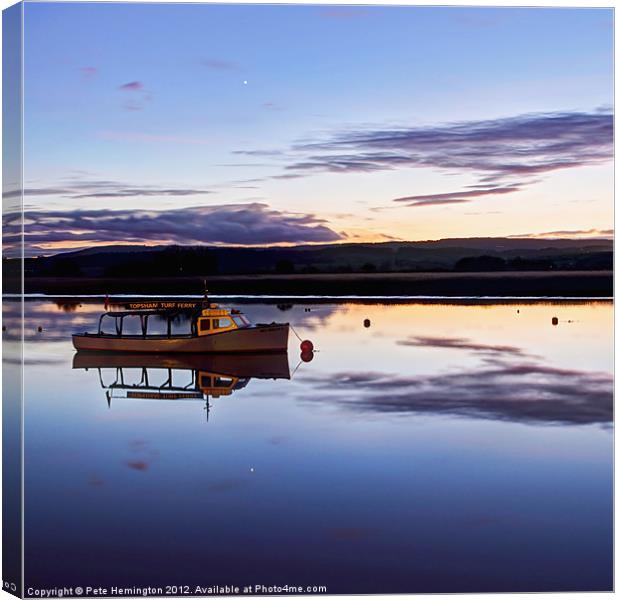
{"x": 179, "y": 376}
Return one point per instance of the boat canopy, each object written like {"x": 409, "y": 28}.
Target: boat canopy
{"x": 209, "y": 316}
{"x": 120, "y": 316}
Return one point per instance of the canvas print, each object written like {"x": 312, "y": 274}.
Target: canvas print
{"x": 306, "y": 299}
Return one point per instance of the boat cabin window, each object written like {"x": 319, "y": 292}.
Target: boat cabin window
{"x": 223, "y": 382}
{"x": 108, "y": 325}
{"x": 181, "y": 324}
{"x": 241, "y": 321}
{"x": 132, "y": 325}
{"x": 216, "y": 382}
{"x": 221, "y": 323}
{"x": 206, "y": 324}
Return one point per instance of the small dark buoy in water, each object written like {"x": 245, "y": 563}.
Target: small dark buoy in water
{"x": 39, "y": 329}
{"x": 554, "y": 321}
{"x": 306, "y": 346}
{"x": 517, "y": 311}
{"x": 307, "y": 356}
{"x": 366, "y": 323}
{"x": 4, "y": 328}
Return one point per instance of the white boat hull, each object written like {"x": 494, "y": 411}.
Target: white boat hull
{"x": 260, "y": 338}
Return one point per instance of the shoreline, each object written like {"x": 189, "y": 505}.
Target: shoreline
{"x": 492, "y": 285}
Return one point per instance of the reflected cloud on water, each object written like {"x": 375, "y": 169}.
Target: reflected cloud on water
{"x": 462, "y": 344}
{"x": 525, "y": 392}
{"x": 509, "y": 384}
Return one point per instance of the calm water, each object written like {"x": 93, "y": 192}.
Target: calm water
{"x": 444, "y": 448}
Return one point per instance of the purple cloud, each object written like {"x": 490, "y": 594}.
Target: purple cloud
{"x": 241, "y": 224}
{"x": 512, "y": 391}
{"x": 132, "y": 86}
{"x": 505, "y": 154}
{"x": 456, "y": 197}
{"x": 461, "y": 344}
{"x": 138, "y": 95}
{"x": 104, "y": 189}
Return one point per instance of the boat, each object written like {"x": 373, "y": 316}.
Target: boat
{"x": 253, "y": 365}
{"x": 205, "y": 328}
{"x": 179, "y": 376}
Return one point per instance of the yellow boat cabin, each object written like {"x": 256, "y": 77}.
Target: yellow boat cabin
{"x": 216, "y": 320}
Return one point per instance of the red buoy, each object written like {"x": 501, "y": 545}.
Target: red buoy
{"x": 306, "y": 346}
{"x": 307, "y": 356}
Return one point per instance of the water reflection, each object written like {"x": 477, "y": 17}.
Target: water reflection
{"x": 177, "y": 376}
{"x": 445, "y": 448}
{"x": 509, "y": 383}
{"x": 519, "y": 392}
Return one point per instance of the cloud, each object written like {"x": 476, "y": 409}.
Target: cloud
{"x": 258, "y": 152}
{"x": 456, "y": 197}
{"x": 236, "y": 224}
{"x": 138, "y": 95}
{"x": 504, "y": 154}
{"x": 587, "y": 233}
{"x": 132, "y": 86}
{"x": 79, "y": 188}
{"x": 133, "y": 192}
{"x": 218, "y": 64}
{"x": 523, "y": 392}
{"x": 45, "y": 191}
{"x": 461, "y": 344}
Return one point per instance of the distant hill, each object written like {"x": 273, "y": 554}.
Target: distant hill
{"x": 457, "y": 254}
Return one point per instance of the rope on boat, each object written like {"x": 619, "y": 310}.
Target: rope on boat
{"x": 293, "y": 330}
{"x": 295, "y": 369}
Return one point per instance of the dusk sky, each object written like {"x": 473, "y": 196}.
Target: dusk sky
{"x": 261, "y": 125}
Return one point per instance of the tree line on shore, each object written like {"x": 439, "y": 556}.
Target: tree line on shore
{"x": 485, "y": 255}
